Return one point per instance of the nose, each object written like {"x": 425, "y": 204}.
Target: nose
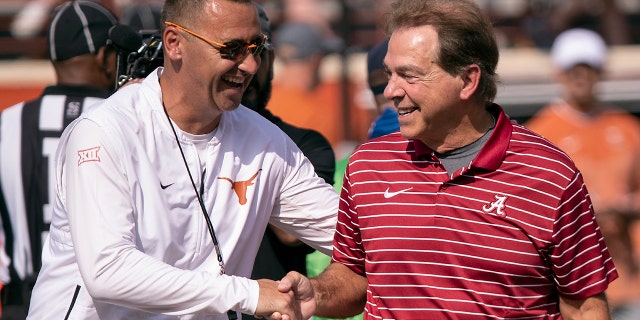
{"x": 392, "y": 90}
{"x": 250, "y": 63}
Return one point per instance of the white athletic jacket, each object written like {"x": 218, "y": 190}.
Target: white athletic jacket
{"x": 128, "y": 239}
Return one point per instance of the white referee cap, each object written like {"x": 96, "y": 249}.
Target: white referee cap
{"x": 579, "y": 46}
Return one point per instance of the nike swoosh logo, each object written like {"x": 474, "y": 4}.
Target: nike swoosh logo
{"x": 165, "y": 186}
{"x": 388, "y": 194}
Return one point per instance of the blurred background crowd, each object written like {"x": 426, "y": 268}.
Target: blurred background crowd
{"x": 320, "y": 69}
{"x": 347, "y": 30}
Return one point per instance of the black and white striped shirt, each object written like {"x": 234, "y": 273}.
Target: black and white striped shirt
{"x": 29, "y": 133}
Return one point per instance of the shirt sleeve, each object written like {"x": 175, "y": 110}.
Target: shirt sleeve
{"x": 347, "y": 242}
{"x": 579, "y": 257}
{"x": 102, "y": 223}
{"x": 318, "y": 150}
{"x": 299, "y": 211}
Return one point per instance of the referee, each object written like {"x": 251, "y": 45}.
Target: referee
{"x": 85, "y": 69}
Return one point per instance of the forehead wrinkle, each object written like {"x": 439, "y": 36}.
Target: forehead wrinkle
{"x": 405, "y": 67}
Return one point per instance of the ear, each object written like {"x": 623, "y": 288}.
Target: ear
{"x": 470, "y": 81}
{"x": 171, "y": 43}
{"x": 100, "y": 56}
{"x": 105, "y": 58}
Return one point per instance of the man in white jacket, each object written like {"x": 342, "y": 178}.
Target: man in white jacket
{"x": 165, "y": 189}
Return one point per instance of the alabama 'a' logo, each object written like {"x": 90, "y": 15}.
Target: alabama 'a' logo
{"x": 240, "y": 187}
{"x": 497, "y": 207}
{"x": 88, "y": 155}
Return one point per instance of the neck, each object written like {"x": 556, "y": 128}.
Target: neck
{"x": 82, "y": 71}
{"x": 471, "y": 128}
{"x": 586, "y": 105}
{"x": 187, "y": 112}
{"x": 190, "y": 122}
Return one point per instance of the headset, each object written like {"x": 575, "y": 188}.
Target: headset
{"x": 138, "y": 53}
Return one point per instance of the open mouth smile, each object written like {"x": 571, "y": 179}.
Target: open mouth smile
{"x": 406, "y": 111}
{"x": 233, "y": 81}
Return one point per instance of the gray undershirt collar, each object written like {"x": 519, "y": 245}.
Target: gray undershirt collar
{"x": 461, "y": 157}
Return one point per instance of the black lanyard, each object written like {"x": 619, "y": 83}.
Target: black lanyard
{"x": 231, "y": 314}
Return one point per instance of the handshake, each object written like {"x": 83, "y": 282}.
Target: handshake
{"x": 337, "y": 292}
{"x": 292, "y": 298}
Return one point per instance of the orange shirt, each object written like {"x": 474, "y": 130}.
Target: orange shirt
{"x": 605, "y": 148}
{"x": 321, "y": 110}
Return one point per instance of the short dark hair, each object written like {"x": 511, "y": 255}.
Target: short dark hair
{"x": 465, "y": 36}
{"x": 179, "y": 11}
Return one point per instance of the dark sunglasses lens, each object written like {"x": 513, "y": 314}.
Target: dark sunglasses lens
{"x": 259, "y": 46}
{"x": 236, "y": 49}
{"x": 257, "y": 50}
{"x": 232, "y": 49}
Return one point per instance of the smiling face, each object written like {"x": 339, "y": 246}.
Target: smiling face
{"x": 424, "y": 95}
{"x": 202, "y": 82}
{"x": 226, "y": 79}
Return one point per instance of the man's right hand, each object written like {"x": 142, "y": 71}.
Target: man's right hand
{"x": 302, "y": 290}
{"x": 289, "y": 299}
{"x": 337, "y": 292}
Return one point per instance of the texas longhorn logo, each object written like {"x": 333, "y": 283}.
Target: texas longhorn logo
{"x": 240, "y": 187}
{"x": 497, "y": 205}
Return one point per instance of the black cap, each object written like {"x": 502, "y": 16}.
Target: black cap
{"x": 375, "y": 67}
{"x": 77, "y": 28}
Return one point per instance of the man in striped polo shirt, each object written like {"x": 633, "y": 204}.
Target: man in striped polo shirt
{"x": 463, "y": 214}
{"x": 85, "y": 71}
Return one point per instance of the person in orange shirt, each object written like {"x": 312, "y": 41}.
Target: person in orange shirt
{"x": 604, "y": 142}
{"x": 300, "y": 94}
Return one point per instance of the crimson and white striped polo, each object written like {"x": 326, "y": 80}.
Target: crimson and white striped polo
{"x": 501, "y": 238}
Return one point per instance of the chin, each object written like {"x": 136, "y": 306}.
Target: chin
{"x": 232, "y": 107}
{"x": 229, "y": 105}
{"x": 407, "y": 133}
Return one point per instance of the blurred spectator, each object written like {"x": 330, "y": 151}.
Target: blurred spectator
{"x": 535, "y": 25}
{"x": 387, "y": 120}
{"x": 140, "y": 16}
{"x": 279, "y": 251}
{"x": 602, "y": 15}
{"x": 604, "y": 142}
{"x": 300, "y": 94}
{"x": 29, "y": 132}
{"x": 302, "y": 46}
{"x": 320, "y": 13}
{"x": 33, "y": 17}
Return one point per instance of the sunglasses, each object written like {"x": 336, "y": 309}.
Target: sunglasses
{"x": 231, "y": 50}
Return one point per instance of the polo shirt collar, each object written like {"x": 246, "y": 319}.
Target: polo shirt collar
{"x": 492, "y": 153}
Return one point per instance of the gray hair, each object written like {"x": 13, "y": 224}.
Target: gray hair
{"x": 465, "y": 36}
